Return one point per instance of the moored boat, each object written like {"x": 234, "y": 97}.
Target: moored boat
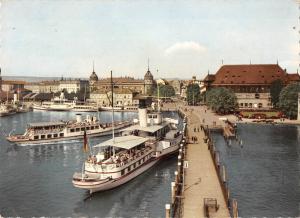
{"x": 65, "y": 130}
{"x": 123, "y": 158}
{"x": 6, "y": 110}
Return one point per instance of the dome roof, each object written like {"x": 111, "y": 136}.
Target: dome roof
{"x": 94, "y": 77}
{"x": 148, "y": 75}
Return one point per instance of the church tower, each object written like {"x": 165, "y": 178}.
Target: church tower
{"x": 93, "y": 78}
{"x": 149, "y": 82}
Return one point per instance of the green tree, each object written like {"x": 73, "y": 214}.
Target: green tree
{"x": 275, "y": 89}
{"x": 193, "y": 94}
{"x": 221, "y": 100}
{"x": 288, "y": 100}
{"x": 164, "y": 91}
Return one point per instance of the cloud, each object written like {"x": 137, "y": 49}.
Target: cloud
{"x": 185, "y": 47}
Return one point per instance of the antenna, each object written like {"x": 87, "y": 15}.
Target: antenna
{"x": 93, "y": 66}
{"x": 148, "y": 64}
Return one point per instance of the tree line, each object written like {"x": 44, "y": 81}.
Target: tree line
{"x": 223, "y": 100}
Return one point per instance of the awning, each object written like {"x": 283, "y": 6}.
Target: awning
{"x": 125, "y": 142}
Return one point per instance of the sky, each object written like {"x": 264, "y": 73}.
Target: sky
{"x": 180, "y": 38}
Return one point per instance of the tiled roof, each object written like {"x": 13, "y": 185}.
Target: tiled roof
{"x": 250, "y": 74}
{"x": 119, "y": 80}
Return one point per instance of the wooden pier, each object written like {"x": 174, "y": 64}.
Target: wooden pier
{"x": 200, "y": 188}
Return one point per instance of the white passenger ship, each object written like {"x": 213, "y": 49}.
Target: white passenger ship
{"x": 65, "y": 130}
{"x": 123, "y": 158}
{"x": 62, "y": 104}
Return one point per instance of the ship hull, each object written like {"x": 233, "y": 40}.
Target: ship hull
{"x": 113, "y": 183}
{"x": 65, "y": 138}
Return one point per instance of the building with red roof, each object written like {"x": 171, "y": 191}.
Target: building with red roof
{"x": 251, "y": 83}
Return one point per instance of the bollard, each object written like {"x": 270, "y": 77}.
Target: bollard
{"x": 180, "y": 150}
{"x": 173, "y": 189}
{"x": 235, "y": 208}
{"x": 179, "y": 157}
{"x": 168, "y": 206}
{"x": 176, "y": 176}
{"x": 179, "y": 168}
{"x": 224, "y": 173}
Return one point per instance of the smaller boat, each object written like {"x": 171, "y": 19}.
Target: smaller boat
{"x": 45, "y": 132}
{"x": 6, "y": 110}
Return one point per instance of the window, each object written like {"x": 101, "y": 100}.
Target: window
{"x": 77, "y": 129}
{"x": 36, "y": 137}
{"x": 43, "y": 136}
{"x": 92, "y": 127}
{"x": 257, "y": 95}
{"x": 246, "y": 104}
{"x": 250, "y": 105}
{"x": 71, "y": 130}
{"x": 49, "y": 136}
{"x": 122, "y": 172}
{"x": 61, "y": 134}
{"x": 241, "y": 104}
{"x": 82, "y": 129}
{"x": 55, "y": 135}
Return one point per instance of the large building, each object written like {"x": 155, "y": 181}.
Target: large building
{"x": 142, "y": 86}
{"x": 122, "y": 97}
{"x": 251, "y": 83}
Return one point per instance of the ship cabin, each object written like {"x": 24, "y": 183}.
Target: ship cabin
{"x": 46, "y": 130}
{"x": 125, "y": 152}
{"x": 153, "y": 132}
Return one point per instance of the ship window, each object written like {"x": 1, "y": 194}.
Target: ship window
{"x": 82, "y": 129}
{"x": 43, "y": 136}
{"x": 87, "y": 128}
{"x": 92, "y": 127}
{"x": 122, "y": 172}
{"x": 71, "y": 130}
{"x": 36, "y": 137}
{"x": 96, "y": 127}
{"x": 49, "y": 136}
{"x": 61, "y": 134}
{"x": 55, "y": 135}
{"x": 77, "y": 129}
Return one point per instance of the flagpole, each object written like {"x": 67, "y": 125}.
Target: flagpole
{"x": 112, "y": 104}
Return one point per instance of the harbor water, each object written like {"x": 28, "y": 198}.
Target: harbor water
{"x": 36, "y": 180}
{"x": 264, "y": 169}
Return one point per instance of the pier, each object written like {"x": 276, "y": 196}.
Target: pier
{"x": 200, "y": 188}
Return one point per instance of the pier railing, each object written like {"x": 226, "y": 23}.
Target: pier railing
{"x": 175, "y": 209}
{"x": 221, "y": 171}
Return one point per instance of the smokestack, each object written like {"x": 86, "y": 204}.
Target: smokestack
{"x": 143, "y": 117}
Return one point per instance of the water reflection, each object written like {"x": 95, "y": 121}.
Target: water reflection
{"x": 264, "y": 174}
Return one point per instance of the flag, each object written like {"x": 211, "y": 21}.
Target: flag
{"x": 85, "y": 143}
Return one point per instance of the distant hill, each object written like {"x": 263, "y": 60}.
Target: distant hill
{"x": 32, "y": 78}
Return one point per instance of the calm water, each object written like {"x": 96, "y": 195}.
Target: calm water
{"x": 36, "y": 180}
{"x": 264, "y": 175}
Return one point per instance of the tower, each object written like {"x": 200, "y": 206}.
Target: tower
{"x": 149, "y": 82}
{"x": 93, "y": 77}
{"x": 0, "y": 80}
{"x": 298, "y": 117}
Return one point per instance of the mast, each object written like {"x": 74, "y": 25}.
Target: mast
{"x": 158, "y": 105}
{"x": 112, "y": 104}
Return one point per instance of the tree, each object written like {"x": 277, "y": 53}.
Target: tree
{"x": 221, "y": 100}
{"x": 193, "y": 94}
{"x": 164, "y": 91}
{"x": 288, "y": 100}
{"x": 275, "y": 89}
